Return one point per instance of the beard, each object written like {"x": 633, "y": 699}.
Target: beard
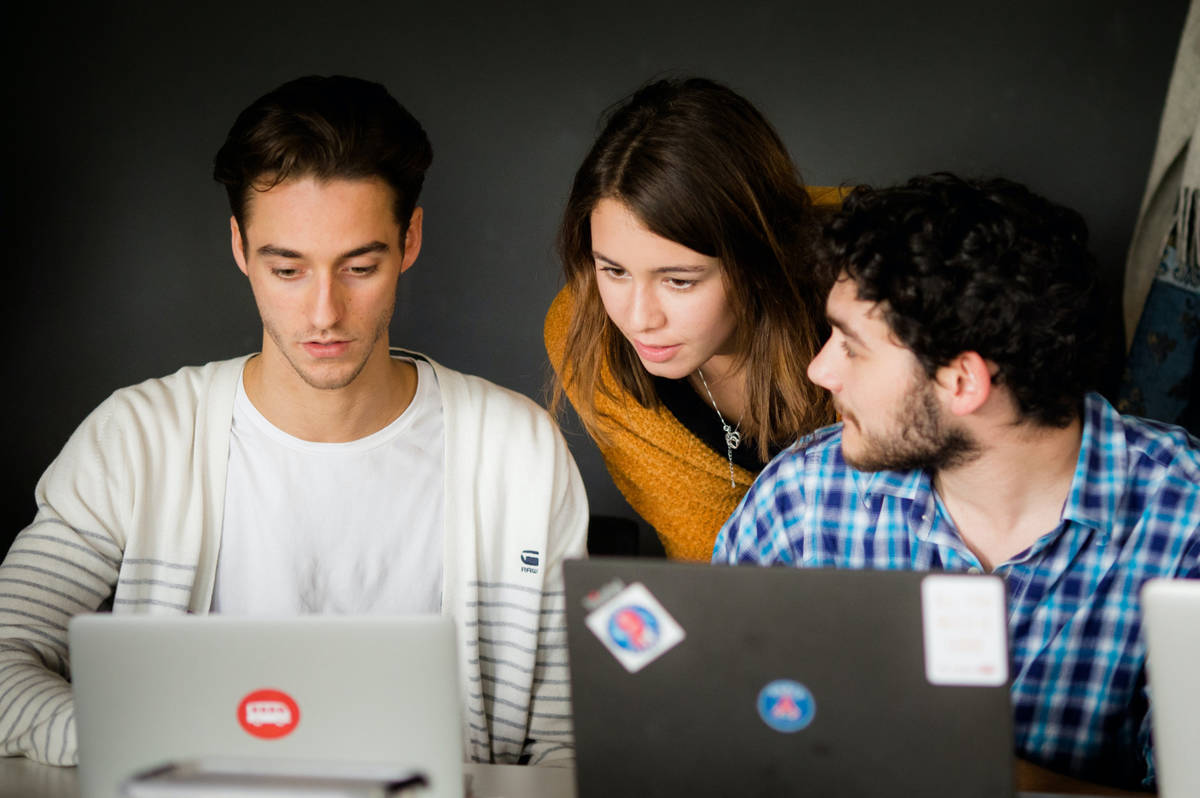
{"x": 920, "y": 440}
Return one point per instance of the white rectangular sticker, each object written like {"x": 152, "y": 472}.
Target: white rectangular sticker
{"x": 635, "y": 627}
{"x": 965, "y": 631}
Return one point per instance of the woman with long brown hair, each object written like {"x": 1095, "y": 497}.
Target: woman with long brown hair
{"x": 690, "y": 311}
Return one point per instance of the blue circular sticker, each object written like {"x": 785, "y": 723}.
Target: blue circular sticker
{"x": 633, "y": 628}
{"x": 786, "y": 706}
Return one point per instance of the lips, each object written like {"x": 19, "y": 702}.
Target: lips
{"x": 326, "y": 349}
{"x": 655, "y": 354}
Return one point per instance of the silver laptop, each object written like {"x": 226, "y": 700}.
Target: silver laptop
{"x": 157, "y": 697}
{"x": 1171, "y": 620}
{"x": 703, "y": 680}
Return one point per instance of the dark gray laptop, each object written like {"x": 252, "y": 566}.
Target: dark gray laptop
{"x": 701, "y": 680}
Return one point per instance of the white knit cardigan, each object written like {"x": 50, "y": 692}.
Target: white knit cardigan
{"x": 130, "y": 512}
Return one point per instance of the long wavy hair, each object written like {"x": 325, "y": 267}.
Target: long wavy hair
{"x": 699, "y": 165}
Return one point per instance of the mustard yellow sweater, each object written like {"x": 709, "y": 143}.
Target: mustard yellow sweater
{"x": 671, "y": 478}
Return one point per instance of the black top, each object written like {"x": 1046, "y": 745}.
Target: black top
{"x": 700, "y": 418}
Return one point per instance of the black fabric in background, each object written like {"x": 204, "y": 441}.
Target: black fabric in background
{"x": 1190, "y": 417}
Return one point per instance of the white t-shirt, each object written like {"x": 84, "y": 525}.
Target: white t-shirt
{"x": 338, "y": 528}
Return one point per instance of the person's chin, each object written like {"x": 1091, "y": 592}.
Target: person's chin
{"x": 670, "y": 370}
{"x": 329, "y": 374}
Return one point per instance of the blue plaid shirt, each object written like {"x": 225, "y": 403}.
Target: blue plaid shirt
{"x": 1078, "y": 659}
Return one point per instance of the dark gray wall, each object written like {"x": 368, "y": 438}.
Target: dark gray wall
{"x": 118, "y": 266}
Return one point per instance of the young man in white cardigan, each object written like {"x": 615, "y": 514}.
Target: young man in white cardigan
{"x": 326, "y": 474}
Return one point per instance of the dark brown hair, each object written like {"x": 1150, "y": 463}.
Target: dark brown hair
{"x": 324, "y": 127}
{"x": 697, "y": 164}
{"x": 979, "y": 265}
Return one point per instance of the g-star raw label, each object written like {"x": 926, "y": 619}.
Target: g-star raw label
{"x": 635, "y": 627}
{"x": 965, "y": 631}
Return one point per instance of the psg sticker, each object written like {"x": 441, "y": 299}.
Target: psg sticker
{"x": 786, "y": 706}
{"x": 635, "y": 627}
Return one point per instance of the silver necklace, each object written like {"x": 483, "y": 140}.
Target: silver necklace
{"x": 732, "y": 435}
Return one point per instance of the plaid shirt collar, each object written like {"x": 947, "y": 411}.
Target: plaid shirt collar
{"x": 1092, "y": 500}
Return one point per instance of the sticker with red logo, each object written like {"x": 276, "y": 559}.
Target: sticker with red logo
{"x": 269, "y": 714}
{"x": 635, "y": 627}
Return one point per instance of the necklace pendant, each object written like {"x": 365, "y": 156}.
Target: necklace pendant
{"x": 732, "y": 438}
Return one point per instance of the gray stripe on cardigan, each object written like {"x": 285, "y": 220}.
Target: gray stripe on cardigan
{"x": 15, "y": 566}
{"x": 111, "y": 562}
{"x": 161, "y": 563}
{"x": 158, "y": 582}
{"x": 537, "y": 682}
{"x": 532, "y": 630}
{"x": 150, "y": 602}
{"x": 38, "y": 618}
{"x": 96, "y": 536}
{"x": 523, "y": 588}
{"x": 37, "y": 586}
{"x": 56, "y": 558}
{"x": 54, "y": 639}
{"x": 38, "y": 602}
{"x": 48, "y": 690}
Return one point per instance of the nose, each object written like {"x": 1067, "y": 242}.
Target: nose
{"x": 645, "y": 312}
{"x": 328, "y": 302}
{"x": 822, "y": 369}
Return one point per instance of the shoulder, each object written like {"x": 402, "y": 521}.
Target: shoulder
{"x": 173, "y": 399}
{"x": 802, "y": 475}
{"x": 1153, "y": 447}
{"x": 189, "y": 382}
{"x": 1165, "y": 445}
{"x": 470, "y": 402}
{"x": 144, "y": 426}
{"x": 815, "y": 453}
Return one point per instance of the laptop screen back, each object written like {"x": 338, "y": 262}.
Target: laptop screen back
{"x": 1171, "y": 618}
{"x": 154, "y": 691}
{"x": 778, "y": 682}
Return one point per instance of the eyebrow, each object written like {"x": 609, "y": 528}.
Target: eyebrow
{"x": 846, "y": 330}
{"x": 270, "y": 250}
{"x": 684, "y": 268}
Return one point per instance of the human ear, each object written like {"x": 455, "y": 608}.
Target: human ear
{"x": 965, "y": 382}
{"x": 412, "y": 239}
{"x": 238, "y": 244}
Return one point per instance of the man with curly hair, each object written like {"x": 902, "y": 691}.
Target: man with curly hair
{"x": 962, "y": 352}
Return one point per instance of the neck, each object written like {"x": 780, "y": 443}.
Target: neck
{"x": 1011, "y": 495}
{"x": 726, "y": 384}
{"x": 373, "y": 399}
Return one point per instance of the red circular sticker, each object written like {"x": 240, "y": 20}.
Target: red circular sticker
{"x": 268, "y": 714}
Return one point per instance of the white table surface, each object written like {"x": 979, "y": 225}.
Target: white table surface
{"x": 20, "y": 778}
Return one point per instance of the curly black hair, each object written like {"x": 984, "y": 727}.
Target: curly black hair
{"x": 978, "y": 265}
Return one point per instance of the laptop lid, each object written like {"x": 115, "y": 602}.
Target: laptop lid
{"x": 1171, "y": 620}
{"x": 699, "y": 680}
{"x": 376, "y": 692}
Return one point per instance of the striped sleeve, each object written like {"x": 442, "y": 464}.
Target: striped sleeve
{"x": 52, "y": 572}
{"x": 64, "y": 563}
